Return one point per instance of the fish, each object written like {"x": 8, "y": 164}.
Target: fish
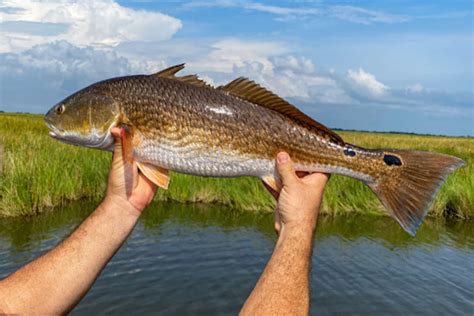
{"x": 183, "y": 124}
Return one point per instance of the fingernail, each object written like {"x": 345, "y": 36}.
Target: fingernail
{"x": 283, "y": 157}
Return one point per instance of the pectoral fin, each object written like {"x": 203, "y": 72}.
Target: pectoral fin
{"x": 157, "y": 175}
{"x": 273, "y": 182}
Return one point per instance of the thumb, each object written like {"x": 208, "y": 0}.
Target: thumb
{"x": 285, "y": 169}
{"x": 116, "y": 133}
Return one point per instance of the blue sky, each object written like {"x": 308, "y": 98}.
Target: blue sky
{"x": 371, "y": 65}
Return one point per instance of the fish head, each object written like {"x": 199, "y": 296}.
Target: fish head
{"x": 84, "y": 119}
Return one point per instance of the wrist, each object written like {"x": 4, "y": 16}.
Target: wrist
{"x": 304, "y": 224}
{"x": 301, "y": 232}
{"x": 121, "y": 206}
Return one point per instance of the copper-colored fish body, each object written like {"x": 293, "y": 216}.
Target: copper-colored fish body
{"x": 182, "y": 124}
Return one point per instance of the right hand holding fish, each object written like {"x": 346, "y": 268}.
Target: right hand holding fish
{"x": 283, "y": 288}
{"x": 300, "y": 197}
{"x": 127, "y": 187}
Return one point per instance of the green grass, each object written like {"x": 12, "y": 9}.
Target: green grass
{"x": 40, "y": 173}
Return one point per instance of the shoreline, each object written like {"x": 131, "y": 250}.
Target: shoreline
{"x": 41, "y": 174}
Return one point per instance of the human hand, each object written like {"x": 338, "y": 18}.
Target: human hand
{"x": 299, "y": 200}
{"x": 127, "y": 188}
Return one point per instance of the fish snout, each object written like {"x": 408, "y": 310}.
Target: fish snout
{"x": 53, "y": 130}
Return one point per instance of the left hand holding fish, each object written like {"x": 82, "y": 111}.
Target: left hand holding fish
{"x": 127, "y": 186}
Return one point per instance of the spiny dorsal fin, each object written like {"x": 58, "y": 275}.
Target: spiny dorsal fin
{"x": 250, "y": 91}
{"x": 191, "y": 79}
{"x": 170, "y": 71}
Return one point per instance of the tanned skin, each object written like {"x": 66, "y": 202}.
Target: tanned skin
{"x": 58, "y": 280}
{"x": 283, "y": 288}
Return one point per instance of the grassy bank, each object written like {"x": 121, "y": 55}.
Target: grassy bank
{"x": 40, "y": 173}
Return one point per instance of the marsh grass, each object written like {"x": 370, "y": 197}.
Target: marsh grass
{"x": 40, "y": 173}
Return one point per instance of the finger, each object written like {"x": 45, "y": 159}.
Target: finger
{"x": 285, "y": 169}
{"x": 116, "y": 132}
{"x": 274, "y": 193}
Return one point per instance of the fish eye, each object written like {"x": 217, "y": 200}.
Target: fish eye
{"x": 60, "y": 109}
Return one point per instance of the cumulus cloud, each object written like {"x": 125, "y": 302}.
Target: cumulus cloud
{"x": 26, "y": 23}
{"x": 35, "y": 79}
{"x": 366, "y": 82}
{"x": 271, "y": 64}
{"x": 49, "y": 49}
{"x": 227, "y": 54}
{"x": 293, "y": 77}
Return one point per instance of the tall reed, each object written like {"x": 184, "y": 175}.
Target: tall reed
{"x": 40, "y": 173}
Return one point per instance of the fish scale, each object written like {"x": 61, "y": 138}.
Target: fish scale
{"x": 210, "y": 128}
{"x": 183, "y": 124}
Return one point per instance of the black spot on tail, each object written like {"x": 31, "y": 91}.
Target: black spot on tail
{"x": 392, "y": 160}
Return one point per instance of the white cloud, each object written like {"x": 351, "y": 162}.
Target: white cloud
{"x": 82, "y": 23}
{"x": 272, "y": 65}
{"x": 208, "y": 80}
{"x": 49, "y": 49}
{"x": 343, "y": 12}
{"x": 37, "y": 78}
{"x": 227, "y": 54}
{"x": 254, "y": 6}
{"x": 294, "y": 77}
{"x": 416, "y": 88}
{"x": 50, "y": 72}
{"x": 366, "y": 82}
{"x": 365, "y": 16}
{"x": 62, "y": 68}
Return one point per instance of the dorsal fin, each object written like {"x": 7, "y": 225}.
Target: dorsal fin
{"x": 194, "y": 79}
{"x": 250, "y": 91}
{"x": 170, "y": 72}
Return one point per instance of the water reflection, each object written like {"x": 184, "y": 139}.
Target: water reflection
{"x": 27, "y": 232}
{"x": 205, "y": 260}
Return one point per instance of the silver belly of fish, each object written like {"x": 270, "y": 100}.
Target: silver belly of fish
{"x": 194, "y": 160}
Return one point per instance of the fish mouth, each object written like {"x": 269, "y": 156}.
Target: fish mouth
{"x": 53, "y": 134}
{"x": 92, "y": 140}
{"x": 54, "y": 131}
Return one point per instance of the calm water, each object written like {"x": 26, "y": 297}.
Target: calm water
{"x": 205, "y": 260}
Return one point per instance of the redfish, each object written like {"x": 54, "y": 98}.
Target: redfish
{"x": 183, "y": 124}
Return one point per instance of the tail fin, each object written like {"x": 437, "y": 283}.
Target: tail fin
{"x": 410, "y": 186}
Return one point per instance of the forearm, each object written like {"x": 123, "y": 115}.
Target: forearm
{"x": 55, "y": 282}
{"x": 283, "y": 287}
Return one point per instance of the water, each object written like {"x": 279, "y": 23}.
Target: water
{"x": 205, "y": 260}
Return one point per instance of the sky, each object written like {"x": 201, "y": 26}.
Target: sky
{"x": 368, "y": 65}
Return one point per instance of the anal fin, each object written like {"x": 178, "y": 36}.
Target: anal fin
{"x": 155, "y": 174}
{"x": 273, "y": 182}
